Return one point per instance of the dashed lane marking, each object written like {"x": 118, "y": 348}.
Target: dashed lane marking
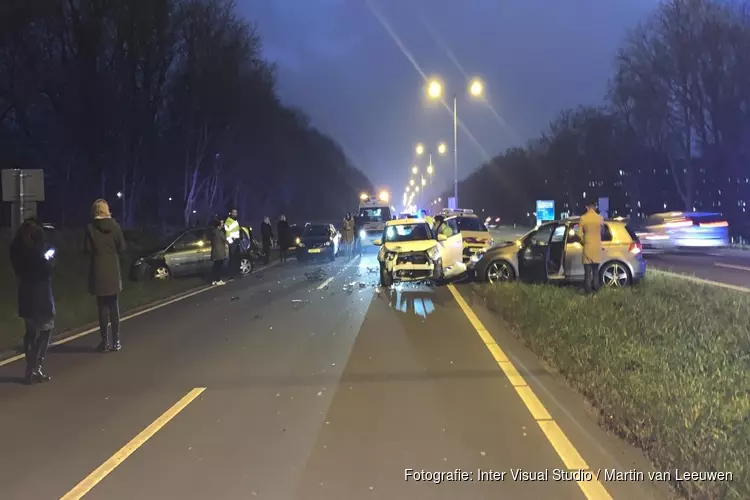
{"x": 593, "y": 489}
{"x": 326, "y": 282}
{"x": 115, "y": 460}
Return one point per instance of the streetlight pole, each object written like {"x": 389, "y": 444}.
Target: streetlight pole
{"x": 455, "y": 151}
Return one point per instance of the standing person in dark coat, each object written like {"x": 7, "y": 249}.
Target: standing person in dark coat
{"x": 219, "y": 252}
{"x": 357, "y": 239}
{"x": 285, "y": 237}
{"x": 266, "y": 234}
{"x": 32, "y": 263}
{"x": 104, "y": 242}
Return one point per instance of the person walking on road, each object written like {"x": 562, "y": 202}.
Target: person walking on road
{"x": 347, "y": 232}
{"x": 32, "y": 262}
{"x": 266, "y": 235}
{"x": 105, "y": 243}
{"x": 590, "y": 227}
{"x": 232, "y": 231}
{"x": 285, "y": 237}
{"x": 219, "y": 252}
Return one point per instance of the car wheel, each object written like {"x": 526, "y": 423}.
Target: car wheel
{"x": 161, "y": 272}
{"x": 386, "y": 280}
{"x": 246, "y": 266}
{"x": 500, "y": 271}
{"x": 614, "y": 275}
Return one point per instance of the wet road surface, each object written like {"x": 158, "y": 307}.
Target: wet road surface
{"x": 287, "y": 386}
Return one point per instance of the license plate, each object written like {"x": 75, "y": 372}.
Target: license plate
{"x": 314, "y": 250}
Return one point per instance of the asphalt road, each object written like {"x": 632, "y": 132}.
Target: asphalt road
{"x": 727, "y": 266}
{"x": 330, "y": 398}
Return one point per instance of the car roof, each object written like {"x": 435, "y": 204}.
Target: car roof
{"x": 401, "y": 222}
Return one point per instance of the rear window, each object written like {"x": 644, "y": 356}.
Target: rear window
{"x": 470, "y": 224}
{"x": 606, "y": 233}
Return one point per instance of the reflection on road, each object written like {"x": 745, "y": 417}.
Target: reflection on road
{"x": 409, "y": 300}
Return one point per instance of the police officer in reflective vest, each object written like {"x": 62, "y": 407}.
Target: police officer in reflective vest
{"x": 232, "y": 230}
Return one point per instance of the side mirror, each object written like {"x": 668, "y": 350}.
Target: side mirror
{"x": 377, "y": 243}
{"x": 442, "y": 237}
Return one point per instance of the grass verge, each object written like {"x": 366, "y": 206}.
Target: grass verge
{"x": 75, "y": 307}
{"x": 667, "y": 363}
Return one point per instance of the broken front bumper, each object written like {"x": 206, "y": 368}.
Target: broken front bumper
{"x": 413, "y": 272}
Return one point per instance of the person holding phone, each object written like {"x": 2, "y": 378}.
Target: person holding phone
{"x": 32, "y": 262}
{"x": 104, "y": 242}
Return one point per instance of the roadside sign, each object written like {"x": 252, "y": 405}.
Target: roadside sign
{"x": 545, "y": 210}
{"x": 22, "y": 185}
{"x": 604, "y": 207}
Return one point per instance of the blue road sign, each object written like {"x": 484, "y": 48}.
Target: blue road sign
{"x": 545, "y": 210}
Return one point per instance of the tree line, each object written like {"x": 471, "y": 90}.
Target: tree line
{"x": 673, "y": 132}
{"x": 167, "y": 108}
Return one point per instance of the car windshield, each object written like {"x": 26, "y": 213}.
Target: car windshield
{"x": 408, "y": 232}
{"x": 379, "y": 214}
{"x": 470, "y": 224}
{"x": 316, "y": 231}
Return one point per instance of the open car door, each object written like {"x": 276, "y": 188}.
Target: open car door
{"x": 534, "y": 254}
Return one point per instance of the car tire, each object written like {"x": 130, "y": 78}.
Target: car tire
{"x": 160, "y": 272}
{"x": 499, "y": 271}
{"x": 386, "y": 280}
{"x": 614, "y": 274}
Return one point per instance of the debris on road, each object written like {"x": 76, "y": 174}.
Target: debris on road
{"x": 300, "y": 301}
{"x": 318, "y": 275}
{"x": 235, "y": 298}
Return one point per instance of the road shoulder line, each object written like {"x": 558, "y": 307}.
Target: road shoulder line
{"x": 146, "y": 308}
{"x": 702, "y": 281}
{"x": 591, "y": 488}
{"x": 88, "y": 483}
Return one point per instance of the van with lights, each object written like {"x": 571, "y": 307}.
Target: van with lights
{"x": 412, "y": 250}
{"x": 476, "y": 235}
{"x": 374, "y": 213}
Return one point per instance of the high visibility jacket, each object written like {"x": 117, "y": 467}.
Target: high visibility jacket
{"x": 232, "y": 229}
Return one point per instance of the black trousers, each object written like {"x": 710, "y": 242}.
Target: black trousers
{"x": 267, "y": 252}
{"x": 109, "y": 314}
{"x": 282, "y": 254}
{"x": 217, "y": 271}
{"x": 591, "y": 277}
{"x": 35, "y": 344}
{"x": 234, "y": 258}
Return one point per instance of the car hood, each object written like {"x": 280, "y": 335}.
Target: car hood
{"x": 312, "y": 240}
{"x": 410, "y": 246}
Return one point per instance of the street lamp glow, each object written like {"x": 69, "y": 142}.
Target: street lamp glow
{"x": 411, "y": 182}
{"x": 407, "y": 189}
{"x": 414, "y": 170}
{"x": 119, "y": 194}
{"x": 477, "y": 88}
{"x": 430, "y": 169}
{"x": 442, "y": 148}
{"x": 384, "y": 196}
{"x": 363, "y": 196}
{"x": 416, "y": 189}
{"x": 420, "y": 150}
{"x": 439, "y": 200}
{"x": 424, "y": 181}
{"x": 434, "y": 89}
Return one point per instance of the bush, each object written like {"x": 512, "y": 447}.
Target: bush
{"x": 75, "y": 307}
{"x": 667, "y": 363}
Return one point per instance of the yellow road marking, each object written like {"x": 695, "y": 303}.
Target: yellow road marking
{"x": 593, "y": 490}
{"x": 17, "y": 357}
{"x": 115, "y": 460}
{"x": 325, "y": 283}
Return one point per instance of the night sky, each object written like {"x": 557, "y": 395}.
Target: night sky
{"x": 339, "y": 63}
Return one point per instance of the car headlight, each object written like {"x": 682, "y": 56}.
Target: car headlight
{"x": 298, "y": 241}
{"x": 433, "y": 253}
{"x": 328, "y": 243}
{"x": 362, "y": 234}
{"x": 390, "y": 255}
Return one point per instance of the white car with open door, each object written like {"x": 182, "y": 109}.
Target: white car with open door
{"x": 410, "y": 250}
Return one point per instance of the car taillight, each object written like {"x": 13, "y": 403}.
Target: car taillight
{"x": 635, "y": 247}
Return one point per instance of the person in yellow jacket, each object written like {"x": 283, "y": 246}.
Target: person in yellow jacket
{"x": 590, "y": 231}
{"x": 232, "y": 230}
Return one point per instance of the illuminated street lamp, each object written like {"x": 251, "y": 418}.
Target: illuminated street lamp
{"x": 416, "y": 189}
{"x": 363, "y": 196}
{"x": 411, "y": 182}
{"x": 435, "y": 91}
{"x": 415, "y": 170}
{"x": 407, "y": 189}
{"x": 442, "y": 148}
{"x": 420, "y": 150}
{"x": 430, "y": 169}
{"x": 424, "y": 182}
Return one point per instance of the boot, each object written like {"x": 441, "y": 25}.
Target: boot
{"x": 116, "y": 345}
{"x": 40, "y": 349}
{"x": 103, "y": 346}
